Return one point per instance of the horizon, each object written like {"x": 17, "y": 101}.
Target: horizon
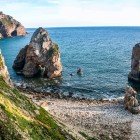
{"x": 74, "y": 13}
{"x": 106, "y": 26}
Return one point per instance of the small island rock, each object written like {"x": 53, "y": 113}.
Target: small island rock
{"x": 41, "y": 55}
{"x": 9, "y": 27}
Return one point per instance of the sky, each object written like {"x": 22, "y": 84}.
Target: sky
{"x": 69, "y": 13}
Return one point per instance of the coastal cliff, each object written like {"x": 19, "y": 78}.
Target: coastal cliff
{"x": 40, "y": 57}
{"x": 20, "y": 118}
{"x": 4, "y": 71}
{"x": 134, "y": 75}
{"x": 10, "y": 27}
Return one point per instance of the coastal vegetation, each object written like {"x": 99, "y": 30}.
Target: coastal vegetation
{"x": 21, "y": 119}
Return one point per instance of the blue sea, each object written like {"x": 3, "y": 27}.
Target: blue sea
{"x": 103, "y": 53}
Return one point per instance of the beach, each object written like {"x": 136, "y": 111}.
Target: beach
{"x": 87, "y": 119}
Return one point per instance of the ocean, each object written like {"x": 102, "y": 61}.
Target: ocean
{"x": 103, "y": 54}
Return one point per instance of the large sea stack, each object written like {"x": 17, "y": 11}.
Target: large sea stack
{"x": 9, "y": 27}
{"x": 134, "y": 75}
{"x": 40, "y": 57}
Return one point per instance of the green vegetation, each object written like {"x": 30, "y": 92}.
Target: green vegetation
{"x": 54, "y": 50}
{"x": 6, "y": 22}
{"x": 21, "y": 119}
{"x": 87, "y": 137}
{"x": 1, "y": 62}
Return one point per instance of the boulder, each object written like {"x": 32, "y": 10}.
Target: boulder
{"x": 130, "y": 101}
{"x": 40, "y": 57}
{"x": 134, "y": 75}
{"x": 10, "y": 27}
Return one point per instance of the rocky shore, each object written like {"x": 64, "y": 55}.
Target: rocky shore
{"x": 98, "y": 120}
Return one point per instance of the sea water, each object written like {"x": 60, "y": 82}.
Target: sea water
{"x": 103, "y": 54}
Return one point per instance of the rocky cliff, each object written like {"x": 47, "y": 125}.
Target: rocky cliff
{"x": 21, "y": 119}
{"x": 135, "y": 64}
{"x": 3, "y": 71}
{"x": 41, "y": 56}
{"x": 10, "y": 27}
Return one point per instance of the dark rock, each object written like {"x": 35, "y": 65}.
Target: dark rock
{"x": 134, "y": 75}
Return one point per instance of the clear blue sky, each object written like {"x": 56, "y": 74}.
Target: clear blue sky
{"x": 60, "y": 13}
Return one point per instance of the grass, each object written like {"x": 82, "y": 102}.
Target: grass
{"x": 6, "y": 22}
{"x": 54, "y": 50}
{"x": 21, "y": 119}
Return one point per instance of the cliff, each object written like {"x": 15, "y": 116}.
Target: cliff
{"x": 3, "y": 71}
{"x": 134, "y": 75}
{"x": 21, "y": 119}
{"x": 40, "y": 57}
{"x": 10, "y": 27}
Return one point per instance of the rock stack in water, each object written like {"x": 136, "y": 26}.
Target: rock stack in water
{"x": 40, "y": 57}
{"x": 134, "y": 75}
{"x": 130, "y": 101}
{"x": 10, "y": 27}
{"x": 4, "y": 72}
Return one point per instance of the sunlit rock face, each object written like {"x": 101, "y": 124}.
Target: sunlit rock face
{"x": 4, "y": 71}
{"x": 130, "y": 100}
{"x": 41, "y": 56}
{"x": 135, "y": 64}
{"x": 10, "y": 27}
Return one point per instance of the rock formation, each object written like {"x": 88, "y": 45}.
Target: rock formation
{"x": 10, "y": 27}
{"x": 41, "y": 56}
{"x": 130, "y": 101}
{"x": 134, "y": 75}
{"x": 3, "y": 71}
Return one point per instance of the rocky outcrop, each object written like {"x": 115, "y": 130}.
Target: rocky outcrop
{"x": 41, "y": 56}
{"x": 3, "y": 71}
{"x": 134, "y": 75}
{"x": 10, "y": 27}
{"x": 130, "y": 101}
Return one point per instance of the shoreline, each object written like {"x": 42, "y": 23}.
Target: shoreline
{"x": 43, "y": 94}
{"x": 91, "y": 119}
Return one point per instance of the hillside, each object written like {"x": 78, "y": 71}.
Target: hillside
{"x": 21, "y": 119}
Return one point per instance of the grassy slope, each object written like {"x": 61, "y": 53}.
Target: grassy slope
{"x": 21, "y": 119}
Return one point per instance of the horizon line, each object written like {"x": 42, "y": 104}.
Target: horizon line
{"x": 84, "y": 26}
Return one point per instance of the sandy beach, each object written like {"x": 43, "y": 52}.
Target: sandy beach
{"x": 101, "y": 120}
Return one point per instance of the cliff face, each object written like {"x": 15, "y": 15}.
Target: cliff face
{"x": 3, "y": 70}
{"x": 135, "y": 64}
{"x": 41, "y": 56}
{"x": 21, "y": 119}
{"x": 10, "y": 27}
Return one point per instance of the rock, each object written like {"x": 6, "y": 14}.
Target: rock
{"x": 134, "y": 75}
{"x": 135, "y": 110}
{"x": 10, "y": 27}
{"x": 4, "y": 72}
{"x": 130, "y": 100}
{"x": 40, "y": 57}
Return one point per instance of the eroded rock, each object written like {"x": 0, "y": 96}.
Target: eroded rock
{"x": 10, "y": 27}
{"x": 130, "y": 101}
{"x": 41, "y": 56}
{"x": 134, "y": 75}
{"x": 4, "y": 71}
